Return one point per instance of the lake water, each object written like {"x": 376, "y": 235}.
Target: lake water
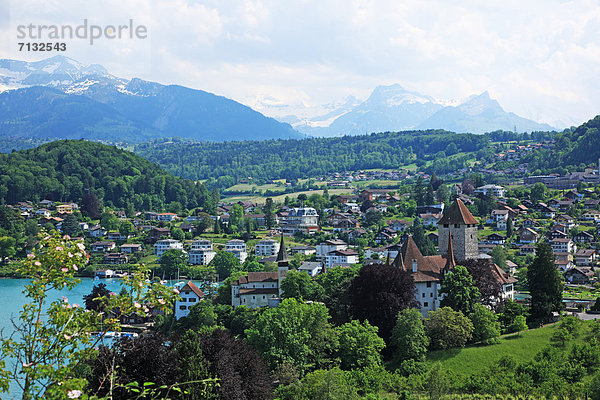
{"x": 12, "y": 300}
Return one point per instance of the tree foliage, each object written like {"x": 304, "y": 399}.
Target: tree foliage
{"x": 545, "y": 285}
{"x": 409, "y": 338}
{"x": 378, "y": 293}
{"x": 460, "y": 292}
{"x": 447, "y": 328}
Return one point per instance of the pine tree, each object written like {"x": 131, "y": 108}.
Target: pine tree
{"x": 545, "y": 285}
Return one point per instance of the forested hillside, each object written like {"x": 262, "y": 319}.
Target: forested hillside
{"x": 293, "y": 159}
{"x": 66, "y": 169}
{"x": 573, "y": 147}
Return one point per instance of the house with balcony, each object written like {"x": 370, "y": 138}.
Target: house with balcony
{"x": 237, "y": 247}
{"x": 266, "y": 248}
{"x": 166, "y": 244}
{"x": 201, "y": 252}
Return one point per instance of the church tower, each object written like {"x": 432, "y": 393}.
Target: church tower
{"x": 282, "y": 264}
{"x": 460, "y": 227}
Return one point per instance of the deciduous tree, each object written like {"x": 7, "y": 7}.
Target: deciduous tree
{"x": 408, "y": 337}
{"x": 447, "y": 328}
{"x": 460, "y": 291}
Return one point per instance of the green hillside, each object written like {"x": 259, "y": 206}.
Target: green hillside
{"x": 66, "y": 169}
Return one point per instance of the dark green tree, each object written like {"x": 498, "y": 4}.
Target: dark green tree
{"x": 126, "y": 229}
{"x": 225, "y": 264}
{"x": 359, "y": 345}
{"x": 545, "y": 285}
{"x": 299, "y": 285}
{"x": 486, "y": 327}
{"x": 423, "y": 243}
{"x": 172, "y": 262}
{"x": 269, "y": 210}
{"x": 409, "y": 339}
{"x": 70, "y": 225}
{"x": 460, "y": 291}
{"x": 447, "y": 328}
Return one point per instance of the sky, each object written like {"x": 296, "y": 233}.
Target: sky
{"x": 539, "y": 59}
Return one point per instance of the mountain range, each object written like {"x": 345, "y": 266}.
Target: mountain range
{"x": 393, "y": 108}
{"x": 61, "y": 98}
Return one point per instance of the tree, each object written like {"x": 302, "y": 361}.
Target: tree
{"x": 91, "y": 206}
{"x": 7, "y": 247}
{"x": 70, "y": 225}
{"x": 510, "y": 311}
{"x": 429, "y": 195}
{"x": 225, "y": 264}
{"x": 109, "y": 221}
{"x": 486, "y": 280}
{"x": 467, "y": 187}
{"x": 172, "y": 262}
{"x": 545, "y": 286}
{"x": 538, "y": 192}
{"x": 240, "y": 371}
{"x": 443, "y": 193}
{"x": 334, "y": 293}
{"x": 460, "y": 291}
{"x": 408, "y": 337}
{"x": 126, "y": 229}
{"x": 236, "y": 216}
{"x": 49, "y": 353}
{"x": 97, "y": 299}
{"x": 202, "y": 318}
{"x": 419, "y": 191}
{"x": 485, "y": 324}
{"x": 224, "y": 290}
{"x": 294, "y": 332}
{"x": 499, "y": 256}
{"x": 359, "y": 345}
{"x": 423, "y": 243}
{"x": 447, "y": 328}
{"x": 518, "y": 324}
{"x": 193, "y": 366}
{"x": 269, "y": 211}
{"x": 331, "y": 384}
{"x": 177, "y": 234}
{"x": 299, "y": 285}
{"x": 378, "y": 293}
{"x": 510, "y": 228}
{"x": 202, "y": 224}
{"x": 568, "y": 329}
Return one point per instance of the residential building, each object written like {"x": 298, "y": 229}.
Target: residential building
{"x": 583, "y": 237}
{"x": 166, "y": 244}
{"x": 528, "y": 235}
{"x": 97, "y": 231}
{"x": 166, "y": 217}
{"x": 312, "y": 268}
{"x": 328, "y": 246}
{"x": 586, "y": 257}
{"x": 131, "y": 248}
{"x": 429, "y": 219}
{"x": 496, "y": 238}
{"x": 115, "y": 258}
{"x": 579, "y": 276}
{"x": 304, "y": 250}
{"x": 491, "y": 190}
{"x": 304, "y": 220}
{"x": 189, "y": 295}
{"x": 343, "y": 258}
{"x": 201, "y": 252}
{"x": 563, "y": 245}
{"x": 103, "y": 246}
{"x": 266, "y": 248}
{"x": 237, "y": 247}
{"x": 64, "y": 208}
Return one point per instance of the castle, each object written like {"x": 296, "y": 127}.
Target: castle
{"x": 457, "y": 242}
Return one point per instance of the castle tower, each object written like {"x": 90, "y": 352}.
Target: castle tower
{"x": 460, "y": 227}
{"x": 282, "y": 264}
{"x": 450, "y": 261}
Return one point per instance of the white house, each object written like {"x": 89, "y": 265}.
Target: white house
{"x": 166, "y": 217}
{"x": 201, "y": 252}
{"x": 563, "y": 245}
{"x": 189, "y": 295}
{"x": 312, "y": 268}
{"x": 492, "y": 190}
{"x": 238, "y": 248}
{"x": 328, "y": 246}
{"x": 304, "y": 220}
{"x": 255, "y": 290}
{"x": 345, "y": 257}
{"x": 166, "y": 244}
{"x": 266, "y": 248}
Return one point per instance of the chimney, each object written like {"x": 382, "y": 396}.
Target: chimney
{"x": 414, "y": 267}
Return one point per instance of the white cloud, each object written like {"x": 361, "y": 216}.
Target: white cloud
{"x": 535, "y": 57}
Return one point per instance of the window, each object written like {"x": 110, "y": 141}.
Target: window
{"x": 423, "y": 294}
{"x": 431, "y": 294}
{"x": 456, "y": 225}
{"x": 182, "y": 307}
{"x": 426, "y": 304}
{"x": 428, "y": 284}
{"x": 445, "y": 225}
{"x": 192, "y": 300}
{"x": 183, "y": 299}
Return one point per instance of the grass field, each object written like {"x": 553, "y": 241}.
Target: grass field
{"x": 281, "y": 198}
{"x": 470, "y": 360}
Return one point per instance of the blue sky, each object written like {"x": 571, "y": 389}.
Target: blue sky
{"x": 540, "y": 59}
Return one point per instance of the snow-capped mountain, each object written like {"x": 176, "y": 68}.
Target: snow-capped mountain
{"x": 60, "y": 97}
{"x": 393, "y": 108}
{"x": 480, "y": 114}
